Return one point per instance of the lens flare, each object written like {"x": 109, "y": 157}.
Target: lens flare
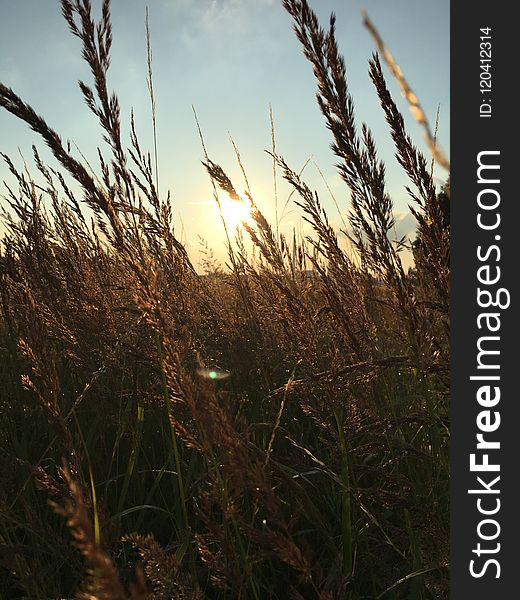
{"x": 214, "y": 373}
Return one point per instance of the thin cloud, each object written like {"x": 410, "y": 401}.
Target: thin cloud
{"x": 10, "y": 74}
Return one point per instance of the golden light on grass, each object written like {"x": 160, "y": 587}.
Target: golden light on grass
{"x": 250, "y": 466}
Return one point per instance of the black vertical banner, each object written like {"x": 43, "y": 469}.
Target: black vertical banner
{"x": 485, "y": 261}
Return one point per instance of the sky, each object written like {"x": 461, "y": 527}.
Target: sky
{"x": 231, "y": 60}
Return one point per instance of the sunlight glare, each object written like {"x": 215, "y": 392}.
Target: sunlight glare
{"x": 235, "y": 212}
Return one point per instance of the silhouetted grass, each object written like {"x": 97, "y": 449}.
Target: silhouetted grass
{"x": 276, "y": 431}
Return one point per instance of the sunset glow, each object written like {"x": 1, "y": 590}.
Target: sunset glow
{"x": 234, "y": 212}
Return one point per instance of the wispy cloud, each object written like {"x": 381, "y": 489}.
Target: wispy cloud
{"x": 217, "y": 16}
{"x": 10, "y": 73}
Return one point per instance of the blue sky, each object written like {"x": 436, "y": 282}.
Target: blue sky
{"x": 231, "y": 59}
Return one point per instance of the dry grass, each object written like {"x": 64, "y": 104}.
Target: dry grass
{"x": 317, "y": 469}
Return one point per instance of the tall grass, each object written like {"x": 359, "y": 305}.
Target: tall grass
{"x": 313, "y": 465}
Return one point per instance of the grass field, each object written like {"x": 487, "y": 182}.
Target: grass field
{"x": 275, "y": 429}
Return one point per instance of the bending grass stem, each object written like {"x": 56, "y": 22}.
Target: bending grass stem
{"x": 346, "y": 508}
{"x": 175, "y": 447}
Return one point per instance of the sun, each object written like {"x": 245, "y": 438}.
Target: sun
{"x": 235, "y": 212}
